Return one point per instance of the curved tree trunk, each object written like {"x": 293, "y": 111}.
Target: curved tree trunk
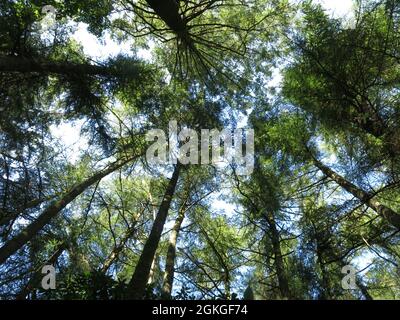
{"x": 13, "y": 245}
{"x": 137, "y": 285}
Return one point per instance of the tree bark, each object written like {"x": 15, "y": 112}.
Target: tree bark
{"x": 137, "y": 285}
{"x": 13, "y": 245}
{"x": 153, "y": 270}
{"x": 326, "y": 293}
{"x": 279, "y": 264}
{"x": 386, "y": 213}
{"x": 171, "y": 256}
{"x": 29, "y": 65}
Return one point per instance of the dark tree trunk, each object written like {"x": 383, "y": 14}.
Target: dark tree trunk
{"x": 137, "y": 285}
{"x": 27, "y": 65}
{"x": 326, "y": 293}
{"x": 363, "y": 289}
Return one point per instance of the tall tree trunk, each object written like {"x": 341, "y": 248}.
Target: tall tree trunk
{"x": 121, "y": 245}
{"x": 363, "y": 289}
{"x": 153, "y": 271}
{"x": 279, "y": 264}
{"x": 137, "y": 285}
{"x": 168, "y": 279}
{"x": 171, "y": 255}
{"x": 153, "y": 268}
{"x": 36, "y": 277}
{"x": 28, "y": 65}
{"x": 386, "y": 213}
{"x": 326, "y": 293}
{"x": 13, "y": 245}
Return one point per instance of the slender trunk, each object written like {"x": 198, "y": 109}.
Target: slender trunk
{"x": 363, "y": 289}
{"x": 116, "y": 251}
{"x": 152, "y": 273}
{"x": 137, "y": 285}
{"x": 36, "y": 277}
{"x": 224, "y": 266}
{"x": 326, "y": 292}
{"x": 13, "y": 245}
{"x": 279, "y": 264}
{"x": 27, "y": 65}
{"x": 111, "y": 257}
{"x": 227, "y": 285}
{"x": 386, "y": 213}
{"x": 153, "y": 270}
{"x": 171, "y": 255}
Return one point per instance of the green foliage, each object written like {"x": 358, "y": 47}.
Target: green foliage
{"x": 92, "y": 286}
{"x": 325, "y": 188}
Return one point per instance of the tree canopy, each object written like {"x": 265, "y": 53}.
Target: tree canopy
{"x": 77, "y": 189}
